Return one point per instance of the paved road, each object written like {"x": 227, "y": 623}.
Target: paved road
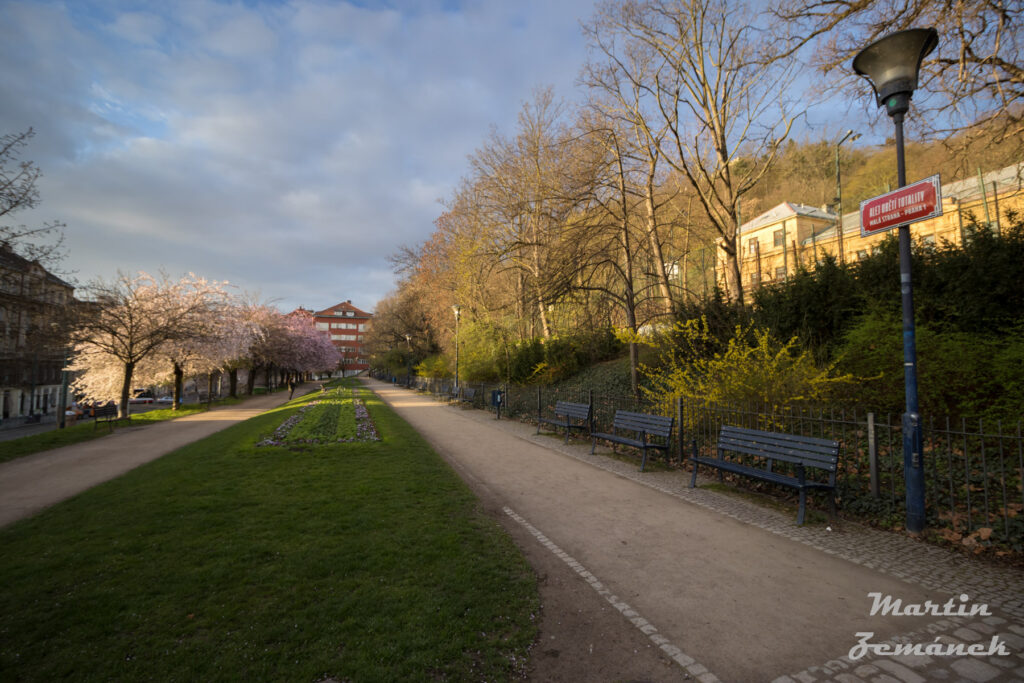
{"x": 716, "y": 588}
{"x": 29, "y": 484}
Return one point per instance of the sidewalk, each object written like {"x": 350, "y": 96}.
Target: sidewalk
{"x": 721, "y": 588}
{"x": 35, "y": 482}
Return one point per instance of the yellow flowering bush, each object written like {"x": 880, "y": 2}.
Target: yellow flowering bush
{"x": 752, "y": 368}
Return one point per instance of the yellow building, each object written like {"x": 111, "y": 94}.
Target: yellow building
{"x": 774, "y": 244}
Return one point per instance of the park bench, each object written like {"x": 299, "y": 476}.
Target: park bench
{"x": 468, "y": 395}
{"x": 443, "y": 390}
{"x": 641, "y": 424}
{"x": 106, "y": 413}
{"x": 802, "y": 452}
{"x": 565, "y": 413}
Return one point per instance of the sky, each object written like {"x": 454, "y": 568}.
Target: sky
{"x": 286, "y": 147}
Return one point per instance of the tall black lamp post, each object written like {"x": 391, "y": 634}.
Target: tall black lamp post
{"x": 851, "y": 136}
{"x": 458, "y": 310}
{"x": 408, "y": 360}
{"x": 891, "y": 64}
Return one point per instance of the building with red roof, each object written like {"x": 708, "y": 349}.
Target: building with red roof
{"x": 347, "y": 326}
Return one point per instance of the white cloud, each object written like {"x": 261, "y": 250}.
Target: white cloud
{"x": 287, "y": 148}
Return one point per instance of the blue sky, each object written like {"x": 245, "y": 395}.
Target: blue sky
{"x": 287, "y": 147}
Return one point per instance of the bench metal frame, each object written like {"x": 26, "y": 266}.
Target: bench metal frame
{"x": 108, "y": 412}
{"x": 643, "y": 424}
{"x": 805, "y": 452}
{"x": 565, "y": 413}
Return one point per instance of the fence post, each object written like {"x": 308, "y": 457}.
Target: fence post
{"x": 590, "y": 400}
{"x": 679, "y": 428}
{"x": 873, "y": 455}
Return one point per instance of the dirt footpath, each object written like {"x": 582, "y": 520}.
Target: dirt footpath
{"x": 640, "y": 585}
{"x": 29, "y": 484}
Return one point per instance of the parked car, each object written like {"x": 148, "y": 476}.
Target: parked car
{"x": 141, "y": 396}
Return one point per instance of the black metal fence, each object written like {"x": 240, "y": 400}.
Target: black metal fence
{"x": 974, "y": 471}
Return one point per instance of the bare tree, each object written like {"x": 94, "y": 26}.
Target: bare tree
{"x": 611, "y": 263}
{"x": 18, "y": 192}
{"x": 972, "y": 84}
{"x": 619, "y": 79}
{"x": 528, "y": 189}
{"x": 706, "y": 81}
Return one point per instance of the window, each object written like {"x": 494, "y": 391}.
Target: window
{"x": 779, "y": 238}
{"x": 780, "y": 272}
{"x": 362, "y": 328}
{"x": 862, "y": 254}
{"x": 322, "y": 326}
{"x": 752, "y": 246}
{"x": 350, "y": 314}
{"x": 928, "y": 239}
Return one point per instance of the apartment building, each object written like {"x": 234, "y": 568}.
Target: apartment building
{"x": 774, "y": 244}
{"x": 32, "y": 301}
{"x": 347, "y": 326}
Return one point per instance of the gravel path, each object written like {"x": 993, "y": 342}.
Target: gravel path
{"x": 643, "y": 578}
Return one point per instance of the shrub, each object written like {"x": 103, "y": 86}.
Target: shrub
{"x": 754, "y": 368}
{"x": 548, "y": 361}
{"x": 960, "y": 374}
{"x": 434, "y": 366}
{"x": 816, "y": 305}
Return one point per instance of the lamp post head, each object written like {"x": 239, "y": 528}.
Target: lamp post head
{"x": 458, "y": 310}
{"x": 892, "y": 64}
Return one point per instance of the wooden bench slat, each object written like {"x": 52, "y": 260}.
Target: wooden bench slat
{"x": 806, "y": 452}
{"x": 811, "y": 443}
{"x": 566, "y": 412}
{"x": 819, "y": 462}
{"x": 643, "y": 424}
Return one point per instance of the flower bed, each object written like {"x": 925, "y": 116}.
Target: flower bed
{"x": 338, "y": 418}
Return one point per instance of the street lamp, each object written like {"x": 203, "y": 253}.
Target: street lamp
{"x": 458, "y": 310}
{"x": 839, "y": 194}
{"x": 408, "y": 361}
{"x": 891, "y": 64}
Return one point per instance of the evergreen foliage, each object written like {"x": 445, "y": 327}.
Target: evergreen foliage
{"x": 969, "y": 308}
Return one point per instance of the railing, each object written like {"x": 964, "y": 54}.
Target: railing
{"x": 974, "y": 471}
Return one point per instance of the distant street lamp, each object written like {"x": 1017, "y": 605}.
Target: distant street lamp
{"x": 458, "y": 310}
{"x": 839, "y": 194}
{"x": 408, "y": 361}
{"x": 891, "y": 64}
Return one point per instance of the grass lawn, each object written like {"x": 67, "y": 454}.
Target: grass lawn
{"x": 362, "y": 561}
{"x": 87, "y": 430}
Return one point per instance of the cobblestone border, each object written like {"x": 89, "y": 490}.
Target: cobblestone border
{"x": 689, "y": 664}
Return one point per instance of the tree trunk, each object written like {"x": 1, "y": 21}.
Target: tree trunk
{"x": 209, "y": 390}
{"x": 250, "y": 380}
{"x": 652, "y": 237}
{"x": 126, "y": 387}
{"x": 179, "y": 378}
{"x": 233, "y": 382}
{"x": 630, "y": 298}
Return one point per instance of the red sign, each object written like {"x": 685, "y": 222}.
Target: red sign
{"x": 916, "y": 202}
